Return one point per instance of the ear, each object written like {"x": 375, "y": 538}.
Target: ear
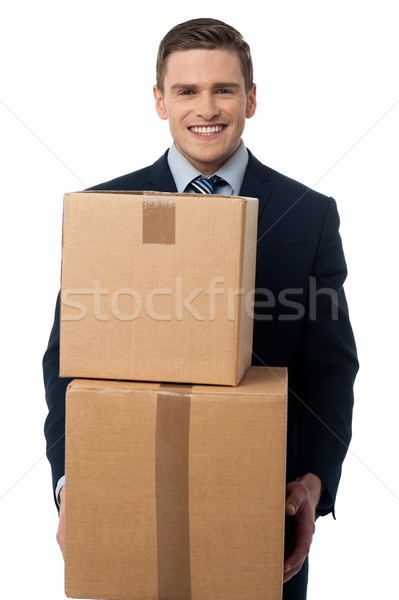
{"x": 159, "y": 104}
{"x": 251, "y": 103}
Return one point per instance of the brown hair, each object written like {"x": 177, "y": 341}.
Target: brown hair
{"x": 208, "y": 34}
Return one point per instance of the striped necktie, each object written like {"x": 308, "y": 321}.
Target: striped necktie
{"x": 205, "y": 185}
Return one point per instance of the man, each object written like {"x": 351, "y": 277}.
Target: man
{"x": 205, "y": 90}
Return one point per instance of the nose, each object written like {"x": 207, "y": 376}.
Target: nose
{"x": 207, "y": 106}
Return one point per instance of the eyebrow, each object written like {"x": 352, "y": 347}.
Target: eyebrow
{"x": 216, "y": 85}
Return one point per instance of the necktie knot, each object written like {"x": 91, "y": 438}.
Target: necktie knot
{"x": 206, "y": 185}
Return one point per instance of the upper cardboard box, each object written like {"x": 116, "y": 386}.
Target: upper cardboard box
{"x": 157, "y": 287}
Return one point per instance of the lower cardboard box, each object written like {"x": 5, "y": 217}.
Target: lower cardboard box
{"x": 176, "y": 492}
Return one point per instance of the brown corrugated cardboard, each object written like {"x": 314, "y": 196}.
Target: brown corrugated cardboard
{"x": 176, "y": 492}
{"x": 157, "y": 287}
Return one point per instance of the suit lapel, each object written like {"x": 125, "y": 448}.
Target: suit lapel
{"x": 256, "y": 183}
{"x": 160, "y": 177}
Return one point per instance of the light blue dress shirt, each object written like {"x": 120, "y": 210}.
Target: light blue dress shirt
{"x": 232, "y": 171}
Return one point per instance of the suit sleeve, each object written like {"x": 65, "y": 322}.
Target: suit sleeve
{"x": 329, "y": 366}
{"x": 55, "y": 389}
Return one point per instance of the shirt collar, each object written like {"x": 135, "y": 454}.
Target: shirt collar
{"x": 232, "y": 171}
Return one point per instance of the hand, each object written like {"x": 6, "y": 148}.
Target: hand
{"x": 303, "y": 496}
{"x": 61, "y": 525}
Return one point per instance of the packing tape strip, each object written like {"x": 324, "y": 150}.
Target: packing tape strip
{"x": 172, "y": 449}
{"x": 159, "y": 220}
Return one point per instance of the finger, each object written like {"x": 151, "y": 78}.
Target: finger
{"x": 61, "y": 532}
{"x": 297, "y": 557}
{"x": 294, "y": 562}
{"x": 60, "y": 540}
{"x": 289, "y": 573}
{"x": 297, "y": 493}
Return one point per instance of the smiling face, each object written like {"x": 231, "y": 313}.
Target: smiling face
{"x": 205, "y": 100}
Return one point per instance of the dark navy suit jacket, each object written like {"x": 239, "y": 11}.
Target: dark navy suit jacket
{"x": 301, "y": 321}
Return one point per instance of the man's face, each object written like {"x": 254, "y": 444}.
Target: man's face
{"x": 205, "y": 100}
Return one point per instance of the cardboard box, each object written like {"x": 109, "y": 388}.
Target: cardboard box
{"x": 157, "y": 287}
{"x": 176, "y": 492}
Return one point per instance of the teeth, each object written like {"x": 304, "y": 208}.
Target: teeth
{"x": 207, "y": 130}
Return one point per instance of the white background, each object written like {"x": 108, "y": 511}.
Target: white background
{"x": 76, "y": 109}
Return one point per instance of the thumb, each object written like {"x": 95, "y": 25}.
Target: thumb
{"x": 296, "y": 495}
{"x": 290, "y": 509}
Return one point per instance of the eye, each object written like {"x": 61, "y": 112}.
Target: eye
{"x": 186, "y": 92}
{"x": 224, "y": 91}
